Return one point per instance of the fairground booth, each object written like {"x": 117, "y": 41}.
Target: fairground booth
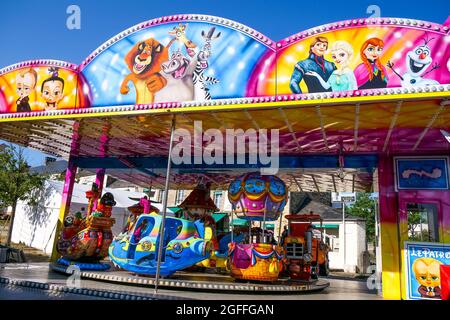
{"x": 359, "y": 105}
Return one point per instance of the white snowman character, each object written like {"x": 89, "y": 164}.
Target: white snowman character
{"x": 417, "y": 62}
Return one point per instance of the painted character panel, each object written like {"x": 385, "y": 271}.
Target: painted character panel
{"x": 418, "y": 63}
{"x": 144, "y": 62}
{"x": 26, "y": 84}
{"x": 199, "y": 61}
{"x": 371, "y": 74}
{"x": 313, "y": 68}
{"x": 376, "y": 56}
{"x": 41, "y": 87}
{"x": 423, "y": 263}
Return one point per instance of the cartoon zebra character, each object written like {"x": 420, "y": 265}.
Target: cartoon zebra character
{"x": 201, "y": 91}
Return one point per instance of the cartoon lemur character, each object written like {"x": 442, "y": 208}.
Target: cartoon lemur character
{"x": 417, "y": 61}
{"x": 199, "y": 79}
{"x": 427, "y": 273}
{"x": 144, "y": 61}
{"x": 26, "y": 83}
{"x": 52, "y": 89}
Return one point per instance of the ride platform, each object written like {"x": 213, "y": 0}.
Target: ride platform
{"x": 193, "y": 281}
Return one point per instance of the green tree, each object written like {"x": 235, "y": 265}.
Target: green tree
{"x": 364, "y": 207}
{"x": 17, "y": 182}
{"x": 414, "y": 220}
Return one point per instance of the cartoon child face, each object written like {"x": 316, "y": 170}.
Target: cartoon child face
{"x": 25, "y": 84}
{"x": 340, "y": 57}
{"x": 427, "y": 273}
{"x": 373, "y": 52}
{"x": 52, "y": 91}
{"x": 319, "y": 48}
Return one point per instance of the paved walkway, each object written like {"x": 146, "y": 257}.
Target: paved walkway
{"x": 39, "y": 272}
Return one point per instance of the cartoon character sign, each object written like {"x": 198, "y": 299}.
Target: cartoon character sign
{"x": 371, "y": 73}
{"x": 199, "y": 79}
{"x": 314, "y": 63}
{"x": 178, "y": 70}
{"x": 417, "y": 62}
{"x": 422, "y": 263}
{"x": 42, "y": 85}
{"x": 342, "y": 78}
{"x": 185, "y": 79}
{"x": 144, "y": 61}
{"x": 427, "y": 273}
{"x": 26, "y": 83}
{"x": 52, "y": 89}
{"x": 157, "y": 77}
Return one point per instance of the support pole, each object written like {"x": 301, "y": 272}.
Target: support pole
{"x": 100, "y": 179}
{"x": 232, "y": 226}
{"x": 65, "y": 203}
{"x": 393, "y": 280}
{"x": 100, "y": 182}
{"x": 166, "y": 192}
{"x": 343, "y": 232}
{"x": 279, "y": 228}
{"x": 264, "y": 226}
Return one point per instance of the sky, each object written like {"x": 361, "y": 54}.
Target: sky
{"x": 31, "y": 29}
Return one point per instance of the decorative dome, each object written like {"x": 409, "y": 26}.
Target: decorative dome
{"x": 255, "y": 195}
{"x": 199, "y": 203}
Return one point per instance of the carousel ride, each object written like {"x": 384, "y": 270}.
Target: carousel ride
{"x": 136, "y": 248}
{"x": 198, "y": 206}
{"x": 84, "y": 241}
{"x": 255, "y": 197}
{"x": 184, "y": 244}
{"x": 190, "y": 243}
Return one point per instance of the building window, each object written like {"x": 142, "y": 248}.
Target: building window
{"x": 423, "y": 222}
{"x": 179, "y": 197}
{"x": 218, "y": 198}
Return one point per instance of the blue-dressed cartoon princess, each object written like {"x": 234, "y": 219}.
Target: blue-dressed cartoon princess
{"x": 342, "y": 78}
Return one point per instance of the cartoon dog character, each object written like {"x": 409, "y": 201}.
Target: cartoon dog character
{"x": 144, "y": 61}
{"x": 427, "y": 273}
